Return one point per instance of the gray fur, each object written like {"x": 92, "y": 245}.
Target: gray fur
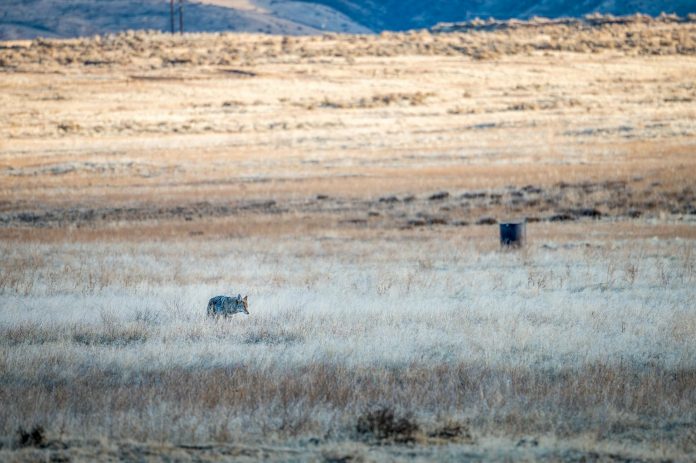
{"x": 225, "y": 305}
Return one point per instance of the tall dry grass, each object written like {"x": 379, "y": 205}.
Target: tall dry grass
{"x": 563, "y": 339}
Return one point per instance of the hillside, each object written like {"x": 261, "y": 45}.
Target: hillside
{"x": 410, "y": 14}
{"x": 70, "y": 18}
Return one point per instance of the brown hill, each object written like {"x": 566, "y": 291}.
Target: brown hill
{"x": 71, "y": 18}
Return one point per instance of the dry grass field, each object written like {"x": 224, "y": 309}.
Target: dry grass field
{"x": 351, "y": 186}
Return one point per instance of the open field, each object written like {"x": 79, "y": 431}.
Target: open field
{"x": 576, "y": 347}
{"x": 350, "y": 185}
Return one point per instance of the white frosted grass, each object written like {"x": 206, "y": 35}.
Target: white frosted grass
{"x": 373, "y": 303}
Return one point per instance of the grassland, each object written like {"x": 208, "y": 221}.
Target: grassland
{"x": 348, "y": 184}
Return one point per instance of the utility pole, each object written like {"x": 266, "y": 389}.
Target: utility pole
{"x": 171, "y": 14}
{"x": 181, "y": 16}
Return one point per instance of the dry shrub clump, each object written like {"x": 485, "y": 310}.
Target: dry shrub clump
{"x": 383, "y": 424}
{"x": 453, "y": 430}
{"x": 36, "y": 437}
{"x": 378, "y": 101}
{"x": 480, "y": 40}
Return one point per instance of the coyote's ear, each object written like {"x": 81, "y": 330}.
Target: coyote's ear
{"x": 239, "y": 296}
{"x": 245, "y": 298}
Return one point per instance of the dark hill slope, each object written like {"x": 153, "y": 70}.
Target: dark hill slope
{"x": 410, "y": 14}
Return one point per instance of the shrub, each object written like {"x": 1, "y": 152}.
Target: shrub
{"x": 453, "y": 430}
{"x": 383, "y": 424}
{"x": 34, "y": 438}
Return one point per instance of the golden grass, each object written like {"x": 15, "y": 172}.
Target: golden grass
{"x": 127, "y": 141}
{"x": 579, "y": 341}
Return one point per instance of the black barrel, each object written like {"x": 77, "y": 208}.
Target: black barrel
{"x": 513, "y": 233}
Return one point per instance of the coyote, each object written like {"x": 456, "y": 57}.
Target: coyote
{"x": 224, "y": 305}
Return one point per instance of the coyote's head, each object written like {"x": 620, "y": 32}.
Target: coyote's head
{"x": 245, "y": 304}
